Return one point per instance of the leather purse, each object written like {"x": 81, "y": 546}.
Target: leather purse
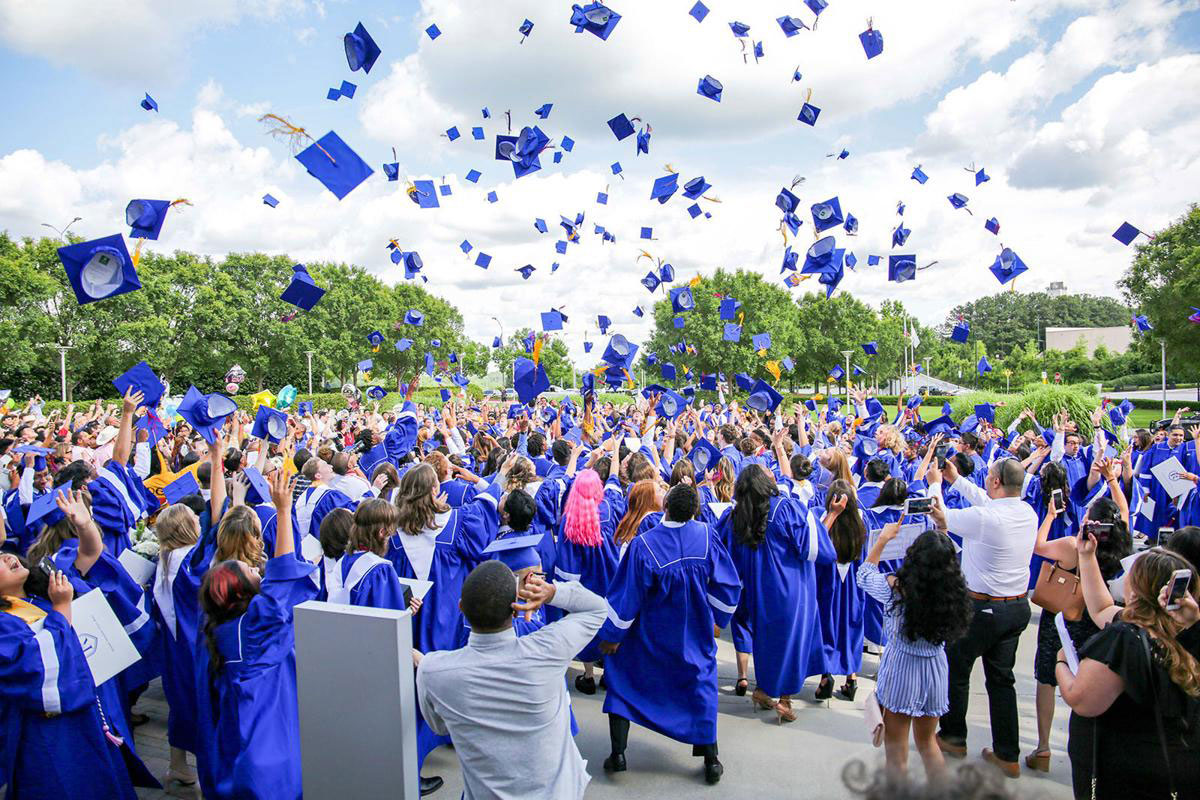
{"x": 1059, "y": 590}
{"x": 873, "y": 716}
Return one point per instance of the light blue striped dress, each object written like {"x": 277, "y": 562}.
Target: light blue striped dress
{"x": 913, "y": 676}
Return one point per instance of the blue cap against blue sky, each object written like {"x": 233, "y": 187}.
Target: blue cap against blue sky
{"x": 1085, "y": 114}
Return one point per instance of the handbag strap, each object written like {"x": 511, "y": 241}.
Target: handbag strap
{"x": 1158, "y": 721}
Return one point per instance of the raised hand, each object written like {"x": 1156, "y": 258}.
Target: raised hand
{"x": 71, "y": 504}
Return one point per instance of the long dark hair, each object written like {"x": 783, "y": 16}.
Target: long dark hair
{"x": 225, "y": 595}
{"x": 931, "y": 590}
{"x": 893, "y": 493}
{"x": 1054, "y": 476}
{"x": 848, "y": 532}
{"x": 752, "y": 495}
{"x": 37, "y": 583}
{"x": 1117, "y": 544}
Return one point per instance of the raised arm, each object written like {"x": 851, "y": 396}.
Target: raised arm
{"x": 216, "y": 478}
{"x": 1100, "y": 605}
{"x": 124, "y": 445}
{"x": 281, "y": 496}
{"x": 90, "y": 544}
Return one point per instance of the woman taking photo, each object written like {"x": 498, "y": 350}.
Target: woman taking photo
{"x": 774, "y": 542}
{"x": 840, "y": 600}
{"x": 1135, "y": 695}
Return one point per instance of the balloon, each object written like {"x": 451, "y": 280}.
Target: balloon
{"x": 231, "y": 387}
{"x": 235, "y": 375}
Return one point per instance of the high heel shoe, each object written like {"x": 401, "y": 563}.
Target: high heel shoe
{"x": 785, "y": 711}
{"x": 1038, "y": 760}
{"x": 849, "y": 689}
{"x": 585, "y": 684}
{"x": 762, "y": 700}
{"x": 740, "y": 687}
{"x": 824, "y": 688}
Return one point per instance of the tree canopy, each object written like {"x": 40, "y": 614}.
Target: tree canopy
{"x": 1012, "y": 319}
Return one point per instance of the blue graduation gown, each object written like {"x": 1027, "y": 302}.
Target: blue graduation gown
{"x": 248, "y": 716}
{"x": 378, "y": 587}
{"x": 458, "y": 493}
{"x": 841, "y": 605}
{"x": 777, "y": 617}
{"x": 593, "y": 567}
{"x": 1164, "y": 508}
{"x": 674, "y": 583}
{"x": 52, "y": 744}
{"x": 320, "y": 500}
{"x": 119, "y": 500}
{"x": 19, "y": 537}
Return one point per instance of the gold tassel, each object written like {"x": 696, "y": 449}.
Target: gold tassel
{"x": 285, "y": 129}
{"x": 537, "y": 351}
{"x": 137, "y": 253}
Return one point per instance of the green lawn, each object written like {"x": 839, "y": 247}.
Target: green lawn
{"x": 1144, "y": 417}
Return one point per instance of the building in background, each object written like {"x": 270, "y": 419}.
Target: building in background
{"x": 1056, "y": 289}
{"x": 1116, "y": 339}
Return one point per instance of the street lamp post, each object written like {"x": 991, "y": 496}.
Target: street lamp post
{"x": 1007, "y": 375}
{"x": 62, "y": 365}
{"x": 847, "y": 354}
{"x": 309, "y": 353}
{"x": 1163, "y": 342}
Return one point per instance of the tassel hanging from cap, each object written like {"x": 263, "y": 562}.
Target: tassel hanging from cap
{"x": 293, "y": 134}
{"x": 537, "y": 350}
{"x": 137, "y": 253}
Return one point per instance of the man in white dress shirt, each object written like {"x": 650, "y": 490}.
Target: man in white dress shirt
{"x": 998, "y": 530}
{"x": 345, "y": 479}
{"x": 504, "y": 699}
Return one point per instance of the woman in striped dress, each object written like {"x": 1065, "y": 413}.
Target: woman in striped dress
{"x": 925, "y": 605}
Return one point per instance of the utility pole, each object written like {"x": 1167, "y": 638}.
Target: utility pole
{"x": 309, "y": 353}
{"x": 62, "y": 364}
{"x": 847, "y": 354}
{"x": 1162, "y": 342}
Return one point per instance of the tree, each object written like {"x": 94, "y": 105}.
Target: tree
{"x": 1004, "y": 320}
{"x": 555, "y": 358}
{"x": 1162, "y": 281}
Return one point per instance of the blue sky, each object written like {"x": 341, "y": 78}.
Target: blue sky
{"x": 1084, "y": 112}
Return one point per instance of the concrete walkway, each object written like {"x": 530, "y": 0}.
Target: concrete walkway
{"x": 762, "y": 760}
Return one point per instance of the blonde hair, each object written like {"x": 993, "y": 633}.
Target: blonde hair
{"x": 239, "y": 537}
{"x": 889, "y": 437}
{"x": 521, "y": 474}
{"x": 838, "y": 465}
{"x": 176, "y": 526}
{"x": 723, "y": 487}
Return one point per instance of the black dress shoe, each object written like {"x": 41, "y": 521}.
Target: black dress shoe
{"x": 585, "y": 684}
{"x": 615, "y": 763}
{"x": 430, "y": 785}
{"x": 713, "y": 771}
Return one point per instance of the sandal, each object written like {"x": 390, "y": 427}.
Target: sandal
{"x": 762, "y": 700}
{"x": 784, "y": 709}
{"x": 1038, "y": 760}
{"x": 741, "y": 686}
{"x": 824, "y": 688}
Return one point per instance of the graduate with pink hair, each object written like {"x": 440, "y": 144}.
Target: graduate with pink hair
{"x": 586, "y": 552}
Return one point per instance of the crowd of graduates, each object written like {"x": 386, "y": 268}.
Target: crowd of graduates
{"x": 799, "y": 531}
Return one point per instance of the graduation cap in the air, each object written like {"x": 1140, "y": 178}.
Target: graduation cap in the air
{"x": 791, "y": 25}
{"x": 743, "y": 381}
{"x": 1007, "y": 266}
{"x": 761, "y": 341}
{"x": 664, "y": 187}
{"x": 981, "y": 177}
{"x": 827, "y": 215}
{"x": 985, "y": 412}
{"x": 620, "y": 352}
{"x": 414, "y": 317}
{"x": 871, "y": 348}
{"x": 919, "y": 175}
{"x": 682, "y": 300}
{"x": 148, "y": 103}
{"x": 872, "y": 42}
{"x": 1142, "y": 323}
{"x": 595, "y": 18}
{"x": 763, "y": 397}
{"x": 269, "y": 424}
{"x": 1126, "y": 234}
{"x": 99, "y": 269}
{"x": 526, "y": 271}
{"x": 961, "y": 331}
{"x": 270, "y": 201}
{"x": 820, "y": 256}
{"x": 375, "y": 339}
{"x": 958, "y": 200}
{"x": 142, "y": 379}
{"x": 403, "y": 344}
{"x": 334, "y": 164}
{"x": 983, "y": 365}
{"x": 808, "y": 114}
{"x": 729, "y": 308}
{"x": 205, "y": 412}
{"x": 670, "y": 405}
{"x": 651, "y": 281}
{"x": 146, "y": 217}
{"x": 902, "y": 268}
{"x": 183, "y": 486}
{"x": 301, "y": 291}
{"x": 993, "y": 225}
{"x": 424, "y": 194}
{"x": 552, "y": 320}
{"x": 695, "y": 188}
{"x": 733, "y": 332}
{"x": 851, "y": 225}
{"x": 529, "y": 379}
{"x": 361, "y": 50}
{"x": 710, "y": 87}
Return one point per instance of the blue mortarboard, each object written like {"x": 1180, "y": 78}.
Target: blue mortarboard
{"x": 710, "y": 87}
{"x": 740, "y": 29}
{"x": 670, "y": 405}
{"x": 873, "y": 261}
{"x": 678, "y": 322}
{"x": 433, "y": 32}
{"x": 763, "y": 397}
{"x": 540, "y": 225}
{"x": 404, "y": 344}
{"x": 943, "y": 424}
{"x": 969, "y": 423}
{"x": 851, "y": 225}
{"x": 961, "y": 331}
{"x": 1126, "y": 234}
{"x": 392, "y": 171}
{"x": 664, "y": 187}
{"x": 761, "y": 341}
{"x": 1142, "y": 323}
{"x": 808, "y": 114}
{"x": 810, "y": 404}
{"x": 993, "y": 225}
{"x": 205, "y": 412}
{"x": 145, "y": 218}
{"x": 141, "y": 378}
{"x": 376, "y": 392}
{"x": 424, "y": 194}
{"x": 492, "y": 197}
{"x": 919, "y": 175}
{"x": 902, "y": 268}
{"x": 148, "y": 103}
{"x": 791, "y": 25}
{"x": 900, "y": 235}
{"x": 452, "y": 133}
{"x": 704, "y": 456}
{"x": 602, "y": 322}
{"x": 743, "y": 381}
{"x": 334, "y": 164}
{"x": 186, "y": 484}
{"x": 529, "y": 379}
{"x": 526, "y": 271}
{"x": 682, "y": 300}
{"x": 304, "y": 408}
{"x": 595, "y": 18}
{"x": 915, "y": 401}
{"x": 99, "y": 269}
{"x": 647, "y": 233}
{"x": 729, "y": 308}
{"x": 827, "y": 215}
{"x": 621, "y": 127}
{"x": 958, "y": 200}
{"x": 872, "y": 42}
{"x": 696, "y": 187}
{"x": 1008, "y": 265}
{"x": 366, "y": 365}
{"x": 301, "y": 291}
{"x": 874, "y": 407}
{"x": 375, "y": 339}
{"x": 733, "y": 332}
{"x": 543, "y": 111}
{"x": 474, "y": 175}
{"x": 819, "y": 257}
{"x": 668, "y": 372}
{"x": 708, "y": 383}
{"x": 482, "y": 260}
{"x": 983, "y": 365}
{"x": 269, "y": 424}
{"x": 986, "y": 412}
{"x": 651, "y": 281}
{"x": 619, "y": 352}
{"x": 637, "y": 311}
{"x": 871, "y": 348}
{"x": 414, "y": 317}
{"x": 444, "y": 190}
{"x": 525, "y": 28}
{"x": 466, "y": 247}
{"x": 816, "y": 6}
{"x": 270, "y": 201}
{"x": 981, "y": 177}
{"x": 552, "y": 320}
{"x": 699, "y": 11}
{"x": 429, "y": 364}
{"x": 361, "y": 50}
{"x": 517, "y": 552}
